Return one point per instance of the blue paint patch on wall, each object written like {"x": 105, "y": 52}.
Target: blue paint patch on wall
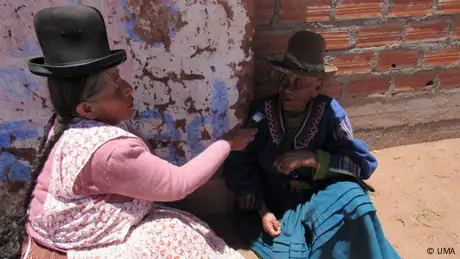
{"x": 17, "y": 130}
{"x": 193, "y": 130}
{"x": 12, "y": 169}
{"x": 171, "y": 134}
{"x": 28, "y": 50}
{"x": 14, "y": 83}
{"x": 175, "y": 12}
{"x": 219, "y": 106}
{"x": 131, "y": 22}
{"x": 23, "y": 12}
{"x": 218, "y": 118}
{"x": 73, "y": 2}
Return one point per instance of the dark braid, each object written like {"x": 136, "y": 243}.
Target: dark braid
{"x": 66, "y": 94}
{"x": 48, "y": 127}
{"x": 41, "y": 158}
{"x": 11, "y": 237}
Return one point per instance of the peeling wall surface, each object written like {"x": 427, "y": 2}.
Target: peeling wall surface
{"x": 188, "y": 61}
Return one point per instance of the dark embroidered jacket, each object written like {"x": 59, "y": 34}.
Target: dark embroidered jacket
{"x": 325, "y": 130}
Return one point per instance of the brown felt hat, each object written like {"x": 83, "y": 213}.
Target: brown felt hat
{"x": 305, "y": 56}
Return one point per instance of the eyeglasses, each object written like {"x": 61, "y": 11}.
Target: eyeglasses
{"x": 291, "y": 80}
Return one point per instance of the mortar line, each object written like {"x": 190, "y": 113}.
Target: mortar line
{"x": 391, "y": 86}
{"x": 434, "y": 8}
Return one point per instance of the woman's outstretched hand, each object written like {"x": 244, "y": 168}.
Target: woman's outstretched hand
{"x": 239, "y": 138}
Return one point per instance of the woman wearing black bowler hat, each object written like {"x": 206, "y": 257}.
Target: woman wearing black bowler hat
{"x": 95, "y": 188}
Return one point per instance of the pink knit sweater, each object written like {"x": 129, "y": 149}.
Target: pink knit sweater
{"x": 121, "y": 170}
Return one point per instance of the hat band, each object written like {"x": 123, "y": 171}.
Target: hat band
{"x": 305, "y": 66}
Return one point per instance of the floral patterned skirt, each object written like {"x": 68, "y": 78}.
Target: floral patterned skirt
{"x": 164, "y": 233}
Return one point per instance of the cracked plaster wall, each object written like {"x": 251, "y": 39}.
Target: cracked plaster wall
{"x": 188, "y": 61}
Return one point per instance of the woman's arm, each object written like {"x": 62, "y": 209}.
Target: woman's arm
{"x": 241, "y": 172}
{"x": 123, "y": 166}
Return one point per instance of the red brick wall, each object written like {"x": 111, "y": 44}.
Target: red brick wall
{"x": 380, "y": 46}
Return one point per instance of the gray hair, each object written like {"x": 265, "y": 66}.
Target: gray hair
{"x": 94, "y": 84}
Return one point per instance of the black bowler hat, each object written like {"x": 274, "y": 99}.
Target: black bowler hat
{"x": 305, "y": 56}
{"x": 74, "y": 42}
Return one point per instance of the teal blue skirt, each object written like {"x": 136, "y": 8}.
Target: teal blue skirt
{"x": 341, "y": 222}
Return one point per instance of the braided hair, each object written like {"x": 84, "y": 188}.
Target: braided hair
{"x": 65, "y": 95}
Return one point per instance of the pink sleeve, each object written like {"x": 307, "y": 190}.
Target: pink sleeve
{"x": 123, "y": 167}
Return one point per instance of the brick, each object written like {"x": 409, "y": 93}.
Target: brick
{"x": 263, "y": 13}
{"x": 448, "y": 7}
{"x": 368, "y": 85}
{"x": 335, "y": 39}
{"x": 406, "y": 8}
{"x": 332, "y": 88}
{"x": 397, "y": 59}
{"x": 353, "y": 63}
{"x": 456, "y": 30}
{"x": 427, "y": 31}
{"x": 358, "y": 9}
{"x": 380, "y": 35}
{"x": 416, "y": 82}
{"x": 304, "y": 10}
{"x": 449, "y": 79}
{"x": 444, "y": 57}
{"x": 260, "y": 70}
{"x": 270, "y": 42}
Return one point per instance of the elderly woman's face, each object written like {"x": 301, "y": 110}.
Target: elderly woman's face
{"x": 115, "y": 102}
{"x": 296, "y": 91}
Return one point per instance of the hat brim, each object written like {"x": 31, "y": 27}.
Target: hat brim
{"x": 329, "y": 70}
{"x": 38, "y": 67}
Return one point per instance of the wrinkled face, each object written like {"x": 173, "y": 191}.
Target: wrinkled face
{"x": 113, "y": 104}
{"x": 295, "y": 91}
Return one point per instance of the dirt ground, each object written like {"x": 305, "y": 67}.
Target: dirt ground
{"x": 418, "y": 198}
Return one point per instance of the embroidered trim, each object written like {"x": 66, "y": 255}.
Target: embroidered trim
{"x": 344, "y": 130}
{"x": 272, "y": 123}
{"x": 346, "y": 164}
{"x": 246, "y": 201}
{"x": 305, "y": 121}
{"x": 310, "y": 124}
{"x": 313, "y": 128}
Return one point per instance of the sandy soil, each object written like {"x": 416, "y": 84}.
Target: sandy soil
{"x": 418, "y": 198}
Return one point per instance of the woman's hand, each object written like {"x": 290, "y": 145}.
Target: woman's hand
{"x": 288, "y": 162}
{"x": 239, "y": 138}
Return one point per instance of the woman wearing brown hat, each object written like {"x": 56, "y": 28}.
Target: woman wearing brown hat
{"x": 299, "y": 185}
{"x": 95, "y": 184}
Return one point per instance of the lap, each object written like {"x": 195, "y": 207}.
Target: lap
{"x": 337, "y": 219}
{"x": 165, "y": 232}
